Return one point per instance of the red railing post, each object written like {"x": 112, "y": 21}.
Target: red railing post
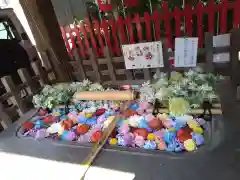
{"x": 166, "y": 16}
{"x": 177, "y": 17}
{"x": 115, "y": 36}
{"x": 138, "y": 26}
{"x": 92, "y": 37}
{"x": 99, "y": 36}
{"x": 121, "y": 28}
{"x": 79, "y": 41}
{"x": 66, "y": 40}
{"x": 130, "y": 29}
{"x": 156, "y": 21}
{"x": 105, "y": 26}
{"x": 223, "y": 16}
{"x": 83, "y": 30}
{"x": 188, "y": 23}
{"x": 211, "y": 11}
{"x": 147, "y": 20}
{"x": 236, "y": 18}
{"x": 199, "y": 9}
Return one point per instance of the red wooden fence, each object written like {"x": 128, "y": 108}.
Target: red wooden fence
{"x": 129, "y": 30}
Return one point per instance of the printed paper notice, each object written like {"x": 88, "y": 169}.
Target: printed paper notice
{"x": 186, "y": 52}
{"x": 143, "y": 55}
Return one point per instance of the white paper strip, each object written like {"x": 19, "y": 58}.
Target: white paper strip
{"x": 221, "y": 57}
{"x": 221, "y": 40}
{"x": 186, "y": 52}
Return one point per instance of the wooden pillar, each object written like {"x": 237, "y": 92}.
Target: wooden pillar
{"x": 44, "y": 25}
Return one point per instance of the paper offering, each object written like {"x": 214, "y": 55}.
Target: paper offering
{"x": 143, "y": 55}
{"x": 222, "y": 40}
{"x": 186, "y": 52}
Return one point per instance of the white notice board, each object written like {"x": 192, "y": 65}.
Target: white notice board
{"x": 186, "y": 52}
{"x": 143, "y": 55}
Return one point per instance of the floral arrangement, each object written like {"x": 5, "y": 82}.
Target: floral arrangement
{"x": 193, "y": 86}
{"x": 61, "y": 94}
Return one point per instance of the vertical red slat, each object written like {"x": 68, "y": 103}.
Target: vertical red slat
{"x": 188, "y": 12}
{"x": 121, "y": 28}
{"x": 66, "y": 40}
{"x": 166, "y": 16}
{"x": 130, "y": 29}
{"x": 99, "y": 35}
{"x": 104, "y": 6}
{"x": 223, "y": 16}
{"x": 92, "y": 37}
{"x": 199, "y": 8}
{"x": 236, "y": 18}
{"x": 83, "y": 30}
{"x": 156, "y": 21}
{"x": 72, "y": 37}
{"x": 177, "y": 16}
{"x": 115, "y": 39}
{"x": 79, "y": 41}
{"x": 138, "y": 26}
{"x": 147, "y": 20}
{"x": 105, "y": 26}
{"x": 211, "y": 11}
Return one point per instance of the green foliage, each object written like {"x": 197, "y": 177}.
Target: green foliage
{"x": 194, "y": 86}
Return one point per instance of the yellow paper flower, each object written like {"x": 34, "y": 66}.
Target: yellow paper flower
{"x": 189, "y": 145}
{"x": 88, "y": 115}
{"x": 192, "y": 124}
{"x": 197, "y": 130}
{"x": 113, "y": 141}
{"x": 178, "y": 106}
{"x": 151, "y": 137}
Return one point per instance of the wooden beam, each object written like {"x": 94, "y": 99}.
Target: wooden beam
{"x": 44, "y": 25}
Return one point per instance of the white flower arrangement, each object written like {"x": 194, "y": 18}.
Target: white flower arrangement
{"x": 194, "y": 86}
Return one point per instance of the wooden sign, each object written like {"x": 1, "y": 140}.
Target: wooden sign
{"x": 186, "y": 52}
{"x": 143, "y": 55}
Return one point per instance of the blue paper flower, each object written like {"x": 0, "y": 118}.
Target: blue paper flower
{"x": 134, "y": 107}
{"x": 38, "y": 124}
{"x": 198, "y": 138}
{"x": 64, "y": 117}
{"x": 120, "y": 122}
{"x": 169, "y": 137}
{"x": 150, "y": 145}
{"x": 109, "y": 112}
{"x": 91, "y": 121}
{"x": 82, "y": 119}
{"x": 143, "y": 124}
{"x": 178, "y": 125}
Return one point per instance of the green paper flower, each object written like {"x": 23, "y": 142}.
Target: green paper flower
{"x": 178, "y": 106}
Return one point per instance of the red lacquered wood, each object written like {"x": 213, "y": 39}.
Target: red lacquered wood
{"x": 130, "y": 29}
{"x": 121, "y": 28}
{"x": 156, "y": 20}
{"x": 188, "y": 14}
{"x": 147, "y": 20}
{"x": 138, "y": 26}
{"x": 199, "y": 8}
